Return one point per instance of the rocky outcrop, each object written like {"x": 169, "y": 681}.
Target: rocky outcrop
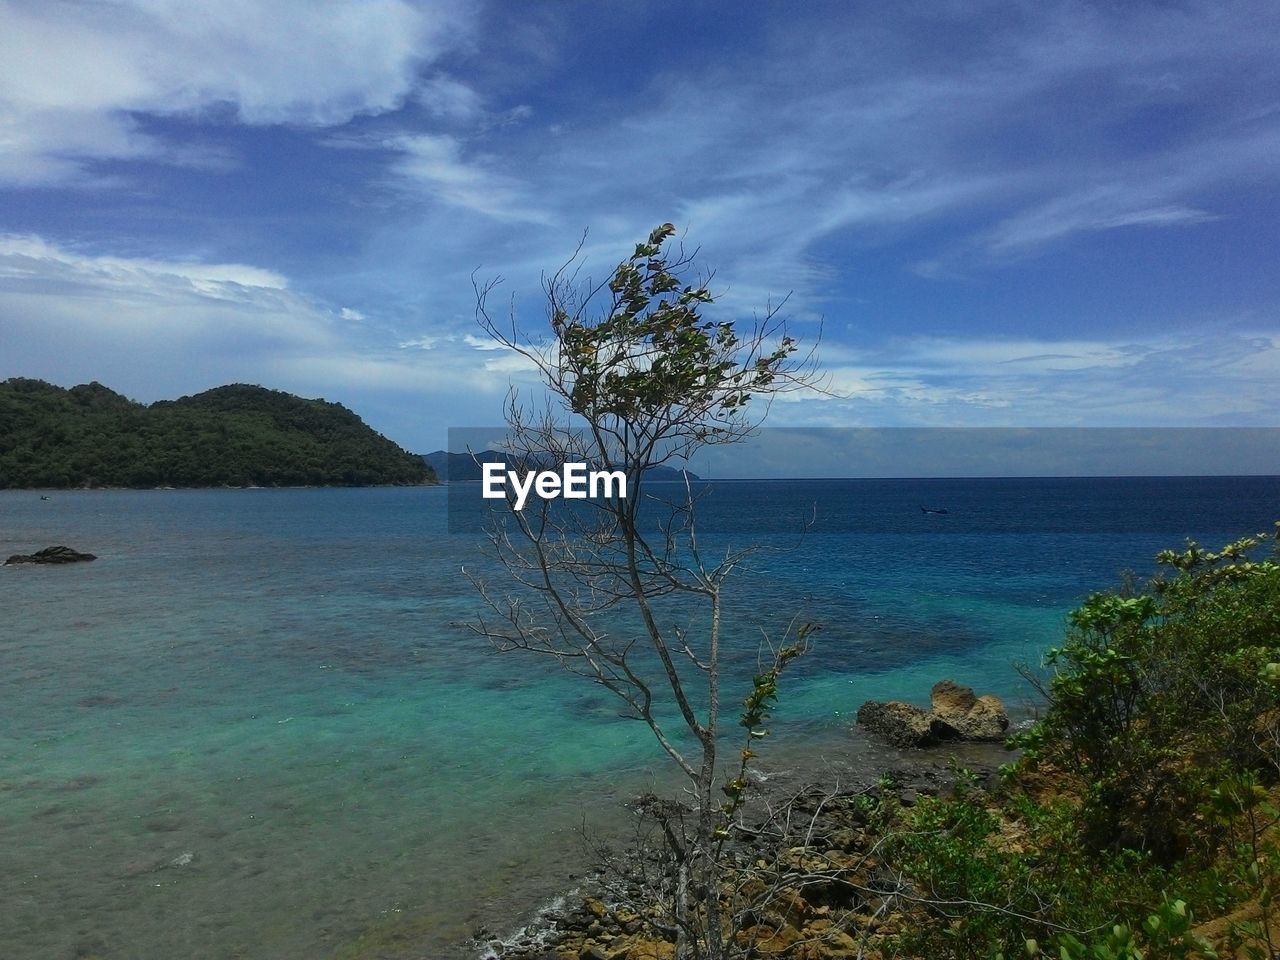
{"x": 957, "y": 714}
{"x": 900, "y": 723}
{"x": 51, "y": 555}
{"x": 961, "y": 715}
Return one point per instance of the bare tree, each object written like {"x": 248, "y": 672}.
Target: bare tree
{"x": 618, "y": 589}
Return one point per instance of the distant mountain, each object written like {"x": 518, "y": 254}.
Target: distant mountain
{"x": 670, "y": 473}
{"x": 237, "y": 435}
{"x": 452, "y": 467}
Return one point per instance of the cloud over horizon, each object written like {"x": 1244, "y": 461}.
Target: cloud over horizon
{"x": 1049, "y": 214}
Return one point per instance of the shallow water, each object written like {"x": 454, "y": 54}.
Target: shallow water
{"x": 254, "y": 729}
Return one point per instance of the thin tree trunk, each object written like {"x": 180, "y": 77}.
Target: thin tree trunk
{"x": 682, "y": 908}
{"x": 707, "y": 808}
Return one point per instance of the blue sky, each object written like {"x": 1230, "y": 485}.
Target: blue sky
{"x": 1003, "y": 214}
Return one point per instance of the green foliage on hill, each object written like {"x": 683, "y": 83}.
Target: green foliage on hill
{"x": 237, "y": 435}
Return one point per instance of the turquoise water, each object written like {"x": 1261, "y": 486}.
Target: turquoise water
{"x": 254, "y": 728}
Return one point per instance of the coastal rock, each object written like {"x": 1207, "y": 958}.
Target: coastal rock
{"x": 988, "y": 720}
{"x": 949, "y": 699}
{"x": 960, "y": 715}
{"x": 901, "y": 724}
{"x": 51, "y": 555}
{"x": 957, "y": 714}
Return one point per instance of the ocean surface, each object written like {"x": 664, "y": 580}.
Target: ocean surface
{"x": 258, "y": 728}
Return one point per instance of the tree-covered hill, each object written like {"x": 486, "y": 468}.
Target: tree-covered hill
{"x": 237, "y": 435}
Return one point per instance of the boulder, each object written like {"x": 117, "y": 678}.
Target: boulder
{"x": 51, "y": 555}
{"x": 957, "y": 714}
{"x": 949, "y": 699}
{"x": 988, "y": 720}
{"x": 960, "y": 715}
{"x": 900, "y": 723}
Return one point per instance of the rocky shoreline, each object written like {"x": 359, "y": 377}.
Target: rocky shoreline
{"x": 603, "y": 918}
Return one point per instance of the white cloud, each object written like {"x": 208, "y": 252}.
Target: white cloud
{"x": 481, "y": 343}
{"x": 72, "y": 75}
{"x": 1022, "y": 355}
{"x": 514, "y": 365}
{"x": 33, "y": 258}
{"x": 1094, "y": 209}
{"x": 1189, "y": 379}
{"x": 419, "y": 343}
{"x": 154, "y": 328}
{"x": 449, "y": 98}
{"x": 436, "y": 162}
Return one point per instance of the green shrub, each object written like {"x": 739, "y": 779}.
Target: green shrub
{"x": 1159, "y": 695}
{"x": 986, "y": 896}
{"x": 1164, "y": 713}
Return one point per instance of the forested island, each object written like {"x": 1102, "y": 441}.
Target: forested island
{"x": 237, "y": 435}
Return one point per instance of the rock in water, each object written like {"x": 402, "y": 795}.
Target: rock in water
{"x": 949, "y": 699}
{"x": 959, "y": 714}
{"x": 900, "y": 723}
{"x": 51, "y": 555}
{"x": 988, "y": 719}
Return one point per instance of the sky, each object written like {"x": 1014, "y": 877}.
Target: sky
{"x": 992, "y": 213}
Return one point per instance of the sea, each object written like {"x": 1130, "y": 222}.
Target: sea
{"x": 260, "y": 725}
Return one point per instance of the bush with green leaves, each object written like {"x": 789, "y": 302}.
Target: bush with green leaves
{"x": 1161, "y": 742}
{"x": 981, "y": 895}
{"x": 1159, "y": 694}
{"x": 1165, "y": 934}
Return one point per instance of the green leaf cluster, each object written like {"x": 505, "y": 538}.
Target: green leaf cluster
{"x": 1165, "y": 934}
{"x": 654, "y": 351}
{"x": 987, "y": 897}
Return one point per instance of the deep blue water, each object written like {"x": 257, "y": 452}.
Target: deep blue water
{"x": 254, "y": 727}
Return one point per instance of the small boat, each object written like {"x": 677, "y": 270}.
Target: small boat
{"x": 939, "y": 510}
{"x": 43, "y": 497}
